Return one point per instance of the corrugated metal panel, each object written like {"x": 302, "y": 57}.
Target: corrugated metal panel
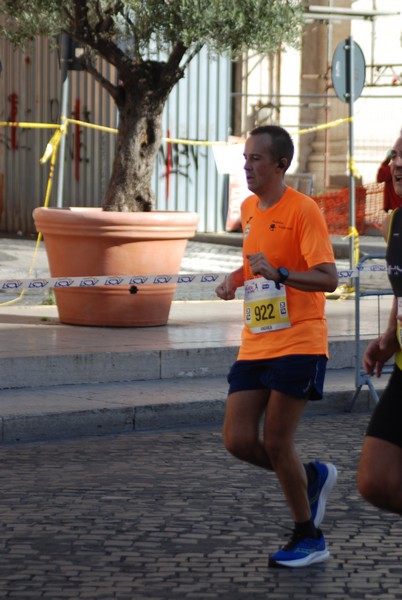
{"x": 89, "y": 152}
{"x": 30, "y": 90}
{"x": 198, "y": 109}
{"x": 25, "y": 95}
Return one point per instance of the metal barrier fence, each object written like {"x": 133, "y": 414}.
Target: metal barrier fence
{"x": 361, "y": 377}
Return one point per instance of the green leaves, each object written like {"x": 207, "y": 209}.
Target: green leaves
{"x": 226, "y": 26}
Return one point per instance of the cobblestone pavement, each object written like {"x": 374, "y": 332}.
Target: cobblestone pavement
{"x": 170, "y": 515}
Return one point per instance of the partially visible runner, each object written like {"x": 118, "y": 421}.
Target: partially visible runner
{"x": 288, "y": 264}
{"x": 391, "y": 200}
{"x": 379, "y": 476}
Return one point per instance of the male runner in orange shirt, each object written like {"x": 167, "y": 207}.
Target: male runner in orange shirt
{"x": 288, "y": 264}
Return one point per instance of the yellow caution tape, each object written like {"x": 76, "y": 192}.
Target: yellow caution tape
{"x": 164, "y": 139}
{"x": 52, "y": 146}
{"x": 92, "y": 126}
{"x": 352, "y": 167}
{"x": 323, "y": 126}
{"x": 30, "y": 125}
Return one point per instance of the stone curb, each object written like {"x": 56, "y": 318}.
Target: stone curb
{"x": 107, "y": 409}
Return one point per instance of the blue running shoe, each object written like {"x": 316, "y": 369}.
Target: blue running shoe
{"x": 319, "y": 490}
{"x": 300, "y": 551}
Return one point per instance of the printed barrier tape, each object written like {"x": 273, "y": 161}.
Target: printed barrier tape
{"x": 42, "y": 283}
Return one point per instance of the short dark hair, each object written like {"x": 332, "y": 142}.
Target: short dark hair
{"x": 282, "y": 144}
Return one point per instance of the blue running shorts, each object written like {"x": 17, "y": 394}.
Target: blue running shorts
{"x": 297, "y": 375}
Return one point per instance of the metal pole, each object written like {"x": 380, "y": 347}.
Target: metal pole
{"x": 327, "y": 107}
{"x": 350, "y": 68}
{"x": 63, "y": 115}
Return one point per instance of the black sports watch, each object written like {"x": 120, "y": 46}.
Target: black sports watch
{"x": 283, "y": 274}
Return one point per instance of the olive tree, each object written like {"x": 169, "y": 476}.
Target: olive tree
{"x": 150, "y": 43}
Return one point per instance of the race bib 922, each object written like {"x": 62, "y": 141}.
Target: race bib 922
{"x": 265, "y": 306}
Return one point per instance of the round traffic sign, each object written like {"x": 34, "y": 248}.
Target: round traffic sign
{"x": 340, "y": 70}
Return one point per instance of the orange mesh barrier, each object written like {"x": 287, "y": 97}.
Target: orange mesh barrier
{"x": 333, "y": 205}
{"x": 374, "y": 204}
{"x": 368, "y": 203}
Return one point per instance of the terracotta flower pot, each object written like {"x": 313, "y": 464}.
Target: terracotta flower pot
{"x": 90, "y": 242}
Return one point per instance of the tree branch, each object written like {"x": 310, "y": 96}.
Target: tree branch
{"x": 113, "y": 90}
{"x": 137, "y": 53}
{"x": 174, "y": 60}
{"x": 98, "y": 37}
{"x": 197, "y": 48}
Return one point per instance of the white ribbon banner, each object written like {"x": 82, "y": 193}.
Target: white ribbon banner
{"x": 42, "y": 283}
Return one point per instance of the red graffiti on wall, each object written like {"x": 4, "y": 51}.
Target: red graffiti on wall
{"x": 13, "y": 100}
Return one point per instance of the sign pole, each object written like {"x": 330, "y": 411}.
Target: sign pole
{"x": 348, "y": 75}
{"x": 350, "y": 92}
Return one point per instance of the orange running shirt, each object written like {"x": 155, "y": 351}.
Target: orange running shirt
{"x": 291, "y": 234}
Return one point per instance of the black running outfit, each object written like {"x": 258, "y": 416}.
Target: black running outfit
{"x": 386, "y": 420}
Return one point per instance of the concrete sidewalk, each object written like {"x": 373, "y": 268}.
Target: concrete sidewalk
{"x": 60, "y": 381}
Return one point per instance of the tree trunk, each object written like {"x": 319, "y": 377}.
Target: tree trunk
{"x": 138, "y": 141}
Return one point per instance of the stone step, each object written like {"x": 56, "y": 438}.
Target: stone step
{"x": 75, "y": 367}
{"x": 66, "y": 411}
